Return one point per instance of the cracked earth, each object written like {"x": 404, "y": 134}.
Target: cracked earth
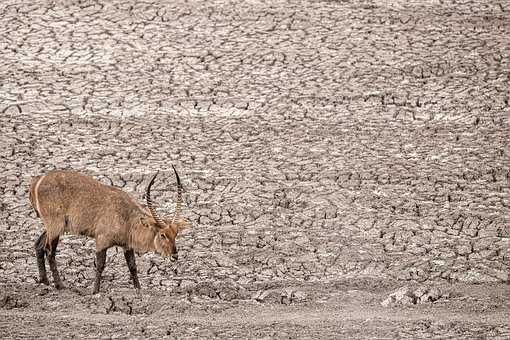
{"x": 331, "y": 152}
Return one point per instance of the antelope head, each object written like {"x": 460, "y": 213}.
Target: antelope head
{"x": 166, "y": 228}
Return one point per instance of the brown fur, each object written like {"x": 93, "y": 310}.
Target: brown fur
{"x": 68, "y": 201}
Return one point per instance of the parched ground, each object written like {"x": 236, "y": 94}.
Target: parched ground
{"x": 331, "y": 151}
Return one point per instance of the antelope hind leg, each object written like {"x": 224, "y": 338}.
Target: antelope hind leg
{"x": 53, "y": 264}
{"x": 40, "y": 252}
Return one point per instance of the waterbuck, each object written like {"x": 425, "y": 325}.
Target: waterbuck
{"x": 71, "y": 202}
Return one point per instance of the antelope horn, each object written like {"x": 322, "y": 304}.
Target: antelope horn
{"x": 150, "y": 204}
{"x": 178, "y": 204}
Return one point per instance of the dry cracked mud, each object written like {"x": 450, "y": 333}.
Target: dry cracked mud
{"x": 331, "y": 152}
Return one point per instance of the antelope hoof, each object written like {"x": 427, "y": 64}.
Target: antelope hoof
{"x": 59, "y": 285}
{"x": 44, "y": 282}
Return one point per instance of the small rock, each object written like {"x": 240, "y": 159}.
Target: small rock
{"x": 287, "y": 296}
{"x": 475, "y": 276}
{"x": 434, "y": 294}
{"x": 298, "y": 296}
{"x": 187, "y": 285}
{"x": 402, "y": 294}
{"x": 243, "y": 293}
{"x": 166, "y": 283}
{"x": 387, "y": 302}
{"x": 207, "y": 290}
{"x": 256, "y": 295}
{"x": 420, "y": 291}
{"x": 407, "y": 300}
{"x": 286, "y": 300}
{"x": 269, "y": 296}
{"x": 302, "y": 240}
{"x": 425, "y": 298}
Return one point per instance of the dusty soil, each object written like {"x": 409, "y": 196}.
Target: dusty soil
{"x": 331, "y": 151}
{"x": 347, "y": 309}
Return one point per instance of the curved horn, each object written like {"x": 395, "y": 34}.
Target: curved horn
{"x": 178, "y": 204}
{"x": 150, "y": 204}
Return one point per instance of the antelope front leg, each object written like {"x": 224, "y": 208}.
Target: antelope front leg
{"x": 129, "y": 254}
{"x": 100, "y": 262}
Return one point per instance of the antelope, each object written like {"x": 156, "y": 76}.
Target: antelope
{"x": 75, "y": 203}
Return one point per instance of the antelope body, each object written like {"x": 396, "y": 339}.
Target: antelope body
{"x": 68, "y": 201}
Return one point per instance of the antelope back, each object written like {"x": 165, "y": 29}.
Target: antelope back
{"x": 74, "y": 202}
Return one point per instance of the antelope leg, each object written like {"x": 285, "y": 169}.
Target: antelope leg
{"x": 53, "y": 264}
{"x": 129, "y": 254}
{"x": 100, "y": 262}
{"x": 40, "y": 253}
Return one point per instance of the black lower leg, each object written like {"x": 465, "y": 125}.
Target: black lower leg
{"x": 131, "y": 263}
{"x": 53, "y": 264}
{"x": 100, "y": 262}
{"x": 40, "y": 253}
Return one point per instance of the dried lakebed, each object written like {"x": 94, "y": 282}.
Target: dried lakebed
{"x": 333, "y": 153}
